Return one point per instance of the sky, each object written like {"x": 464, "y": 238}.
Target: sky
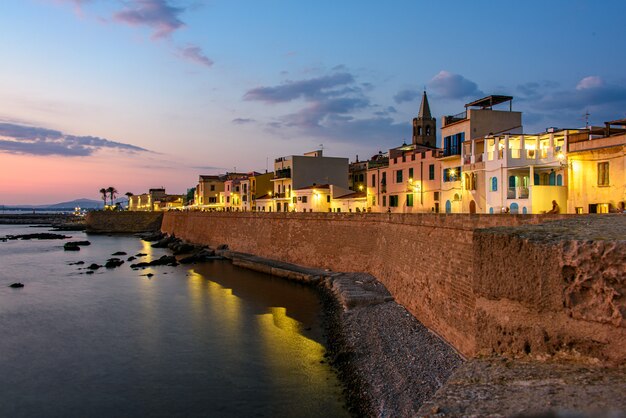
{"x": 137, "y": 94}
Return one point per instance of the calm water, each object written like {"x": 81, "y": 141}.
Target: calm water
{"x": 205, "y": 340}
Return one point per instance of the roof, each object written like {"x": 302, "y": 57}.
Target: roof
{"x": 203, "y": 177}
{"x": 489, "y": 101}
{"x": 315, "y": 186}
{"x": 619, "y": 122}
{"x": 264, "y": 197}
{"x": 424, "y": 112}
{"x": 355, "y": 195}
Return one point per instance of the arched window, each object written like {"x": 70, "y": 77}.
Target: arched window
{"x": 514, "y": 208}
{"x": 494, "y": 184}
{"x": 448, "y": 206}
{"x": 419, "y": 130}
{"x": 427, "y": 130}
{"x": 524, "y": 210}
{"x": 491, "y": 211}
{"x": 559, "y": 180}
{"x": 536, "y": 179}
{"x": 552, "y": 180}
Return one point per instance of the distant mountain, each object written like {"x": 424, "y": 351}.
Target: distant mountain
{"x": 82, "y": 203}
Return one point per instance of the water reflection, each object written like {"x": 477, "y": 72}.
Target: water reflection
{"x": 212, "y": 341}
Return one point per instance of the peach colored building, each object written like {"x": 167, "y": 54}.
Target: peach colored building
{"x": 596, "y": 164}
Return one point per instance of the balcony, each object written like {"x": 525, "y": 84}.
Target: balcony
{"x": 455, "y": 118}
{"x": 284, "y": 173}
{"x": 517, "y": 193}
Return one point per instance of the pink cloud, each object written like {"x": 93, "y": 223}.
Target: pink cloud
{"x": 156, "y": 14}
{"x": 194, "y": 53}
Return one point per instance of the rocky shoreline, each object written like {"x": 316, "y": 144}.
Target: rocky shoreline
{"x": 392, "y": 365}
{"x": 389, "y": 363}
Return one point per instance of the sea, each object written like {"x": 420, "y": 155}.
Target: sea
{"x": 203, "y": 340}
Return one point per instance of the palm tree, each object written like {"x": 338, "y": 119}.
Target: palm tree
{"x": 128, "y": 195}
{"x": 104, "y": 192}
{"x": 112, "y": 193}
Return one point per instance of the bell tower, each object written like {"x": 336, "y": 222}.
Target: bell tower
{"x": 424, "y": 126}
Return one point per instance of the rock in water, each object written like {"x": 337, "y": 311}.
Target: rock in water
{"x": 71, "y": 246}
{"x": 119, "y": 253}
{"x": 113, "y": 262}
{"x": 16, "y": 285}
{"x": 94, "y": 266}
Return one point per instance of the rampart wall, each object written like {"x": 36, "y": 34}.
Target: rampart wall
{"x": 480, "y": 292}
{"x": 123, "y": 221}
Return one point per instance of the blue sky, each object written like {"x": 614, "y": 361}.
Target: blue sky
{"x": 169, "y": 89}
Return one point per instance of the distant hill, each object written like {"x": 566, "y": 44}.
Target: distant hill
{"x": 82, "y": 203}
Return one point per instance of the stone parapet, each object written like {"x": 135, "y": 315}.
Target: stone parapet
{"x": 468, "y": 278}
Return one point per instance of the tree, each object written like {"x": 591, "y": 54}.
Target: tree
{"x": 128, "y": 195}
{"x": 112, "y": 193}
{"x": 104, "y": 192}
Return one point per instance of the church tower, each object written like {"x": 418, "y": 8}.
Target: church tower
{"x": 424, "y": 126}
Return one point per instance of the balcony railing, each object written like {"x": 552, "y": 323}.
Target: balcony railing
{"x": 517, "y": 193}
{"x": 455, "y": 118}
{"x": 284, "y": 173}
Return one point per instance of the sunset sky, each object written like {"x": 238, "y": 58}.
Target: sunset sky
{"x": 148, "y": 93}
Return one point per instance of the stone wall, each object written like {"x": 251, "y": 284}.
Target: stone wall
{"x": 553, "y": 291}
{"x": 462, "y": 283}
{"x": 123, "y": 221}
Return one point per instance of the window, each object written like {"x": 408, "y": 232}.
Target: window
{"x": 494, "y": 184}
{"x": 403, "y": 158}
{"x": 373, "y": 179}
{"x": 328, "y": 199}
{"x": 399, "y": 176}
{"x": 452, "y": 144}
{"x": 227, "y": 199}
{"x": 304, "y": 199}
{"x": 470, "y": 181}
{"x": 431, "y": 172}
{"x": 361, "y": 178}
{"x": 436, "y": 197}
{"x": 213, "y": 187}
{"x": 277, "y": 206}
{"x": 410, "y": 173}
{"x": 373, "y": 200}
{"x": 603, "y": 174}
{"x": 237, "y": 188}
{"x": 384, "y": 200}
{"x": 393, "y": 201}
{"x": 383, "y": 180}
{"x": 409, "y": 199}
{"x": 293, "y": 200}
{"x": 451, "y": 174}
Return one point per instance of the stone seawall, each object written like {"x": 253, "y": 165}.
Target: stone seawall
{"x": 123, "y": 221}
{"x": 440, "y": 267}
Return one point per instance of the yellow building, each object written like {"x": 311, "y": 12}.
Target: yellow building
{"x": 596, "y": 164}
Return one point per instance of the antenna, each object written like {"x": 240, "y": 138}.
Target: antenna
{"x": 586, "y": 116}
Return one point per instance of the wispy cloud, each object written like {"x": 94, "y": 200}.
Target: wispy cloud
{"x": 336, "y": 107}
{"x": 160, "y": 16}
{"x": 407, "y": 95}
{"x": 23, "y": 139}
{"x": 194, "y": 53}
{"x": 310, "y": 89}
{"x": 242, "y": 121}
{"x": 454, "y": 86}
